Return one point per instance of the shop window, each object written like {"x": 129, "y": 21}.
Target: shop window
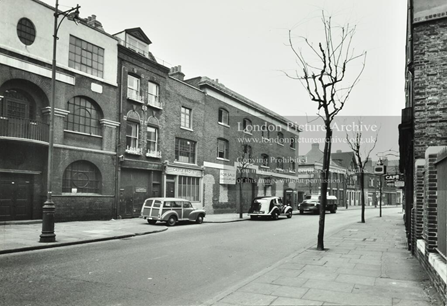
{"x": 84, "y": 116}
{"x": 86, "y": 57}
{"x": 185, "y": 151}
{"x": 222, "y": 148}
{"x": 223, "y": 116}
{"x": 188, "y": 188}
{"x": 81, "y": 177}
{"x": 185, "y": 119}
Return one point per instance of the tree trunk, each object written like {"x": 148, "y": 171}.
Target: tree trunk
{"x": 362, "y": 190}
{"x": 324, "y": 185}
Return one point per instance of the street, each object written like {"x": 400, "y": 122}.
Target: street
{"x": 186, "y": 265}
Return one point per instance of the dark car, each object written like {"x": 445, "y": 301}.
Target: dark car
{"x": 312, "y": 204}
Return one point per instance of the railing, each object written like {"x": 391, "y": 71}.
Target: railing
{"x": 441, "y": 167}
{"x": 24, "y": 128}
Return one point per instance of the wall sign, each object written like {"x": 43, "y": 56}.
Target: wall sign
{"x": 183, "y": 171}
{"x": 227, "y": 177}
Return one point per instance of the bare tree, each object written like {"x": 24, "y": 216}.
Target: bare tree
{"x": 244, "y": 164}
{"x": 362, "y": 157}
{"x": 329, "y": 86}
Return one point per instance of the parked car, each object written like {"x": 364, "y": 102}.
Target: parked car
{"x": 312, "y": 204}
{"x": 171, "y": 211}
{"x": 271, "y": 207}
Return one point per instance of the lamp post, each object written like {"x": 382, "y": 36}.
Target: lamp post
{"x": 48, "y": 234}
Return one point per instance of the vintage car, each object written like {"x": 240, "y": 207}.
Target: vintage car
{"x": 171, "y": 211}
{"x": 271, "y": 207}
{"x": 312, "y": 204}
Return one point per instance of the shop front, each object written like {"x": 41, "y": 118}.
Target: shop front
{"x": 184, "y": 182}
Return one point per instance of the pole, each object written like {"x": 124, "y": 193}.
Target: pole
{"x": 48, "y": 209}
{"x": 380, "y": 194}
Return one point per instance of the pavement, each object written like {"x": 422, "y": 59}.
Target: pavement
{"x": 363, "y": 264}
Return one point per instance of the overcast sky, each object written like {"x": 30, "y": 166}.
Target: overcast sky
{"x": 243, "y": 44}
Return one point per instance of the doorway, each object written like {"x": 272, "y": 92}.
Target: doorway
{"x": 15, "y": 197}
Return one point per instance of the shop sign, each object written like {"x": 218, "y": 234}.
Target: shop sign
{"x": 183, "y": 171}
{"x": 140, "y": 189}
{"x": 227, "y": 177}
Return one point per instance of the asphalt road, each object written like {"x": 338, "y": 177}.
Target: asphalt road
{"x": 186, "y": 265}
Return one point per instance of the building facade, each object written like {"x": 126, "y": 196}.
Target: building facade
{"x": 85, "y": 121}
{"x": 422, "y": 138}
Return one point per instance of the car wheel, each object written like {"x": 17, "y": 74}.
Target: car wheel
{"x": 151, "y": 222}
{"x": 275, "y": 216}
{"x": 253, "y": 217}
{"x": 289, "y": 214}
{"x": 301, "y": 211}
{"x": 171, "y": 221}
{"x": 199, "y": 219}
{"x": 333, "y": 211}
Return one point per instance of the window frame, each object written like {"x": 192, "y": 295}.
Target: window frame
{"x": 186, "y": 116}
{"x": 130, "y": 149}
{"x": 280, "y": 138}
{"x": 226, "y": 148}
{"x": 280, "y": 163}
{"x": 77, "y": 122}
{"x": 68, "y": 183}
{"x": 153, "y": 99}
{"x": 192, "y": 153}
{"x": 220, "y": 119}
{"x": 244, "y": 125}
{"x": 265, "y": 160}
{"x": 26, "y": 31}
{"x": 84, "y": 56}
{"x": 156, "y": 142}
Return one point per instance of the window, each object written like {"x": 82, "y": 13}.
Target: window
{"x": 132, "y": 132}
{"x": 26, "y": 31}
{"x": 223, "y": 116}
{"x": 153, "y": 94}
{"x": 83, "y": 117}
{"x": 280, "y": 138}
{"x": 280, "y": 163}
{"x": 136, "y": 45}
{"x": 292, "y": 143}
{"x": 152, "y": 142}
{"x": 222, "y": 148}
{"x": 292, "y": 166}
{"x": 265, "y": 132}
{"x": 185, "y": 119}
{"x": 86, "y": 57}
{"x": 247, "y": 125}
{"x": 81, "y": 177}
{"x": 185, "y": 151}
{"x": 265, "y": 160}
{"x": 247, "y": 152}
{"x": 133, "y": 88}
{"x": 188, "y": 188}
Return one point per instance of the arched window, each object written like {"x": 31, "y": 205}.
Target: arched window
{"x": 224, "y": 118}
{"x": 133, "y": 133}
{"x": 247, "y": 125}
{"x": 280, "y": 163}
{"x": 265, "y": 160}
{"x": 280, "y": 138}
{"x": 84, "y": 116}
{"x": 222, "y": 148}
{"x": 81, "y": 177}
{"x": 17, "y": 104}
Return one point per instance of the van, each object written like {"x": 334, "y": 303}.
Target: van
{"x": 311, "y": 203}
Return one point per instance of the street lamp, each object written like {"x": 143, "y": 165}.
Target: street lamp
{"x": 48, "y": 234}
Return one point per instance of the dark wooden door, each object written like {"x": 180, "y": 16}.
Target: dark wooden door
{"x": 15, "y": 197}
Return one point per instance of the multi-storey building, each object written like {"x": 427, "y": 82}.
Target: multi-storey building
{"x": 141, "y": 104}
{"x": 247, "y": 150}
{"x": 85, "y": 120}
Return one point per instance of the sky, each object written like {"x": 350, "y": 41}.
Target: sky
{"x": 244, "y": 44}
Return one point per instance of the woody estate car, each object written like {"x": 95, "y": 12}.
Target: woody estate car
{"x": 171, "y": 211}
{"x": 271, "y": 207}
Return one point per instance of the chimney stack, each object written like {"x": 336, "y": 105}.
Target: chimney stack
{"x": 176, "y": 72}
{"x": 93, "y": 23}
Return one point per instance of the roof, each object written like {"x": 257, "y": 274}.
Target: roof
{"x": 344, "y": 159}
{"x": 167, "y": 199}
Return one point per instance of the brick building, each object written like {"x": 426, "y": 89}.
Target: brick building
{"x": 242, "y": 139}
{"x": 422, "y": 137}
{"x": 141, "y": 104}
{"x": 83, "y": 184}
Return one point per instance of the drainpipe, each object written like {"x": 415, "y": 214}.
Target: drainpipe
{"x": 119, "y": 158}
